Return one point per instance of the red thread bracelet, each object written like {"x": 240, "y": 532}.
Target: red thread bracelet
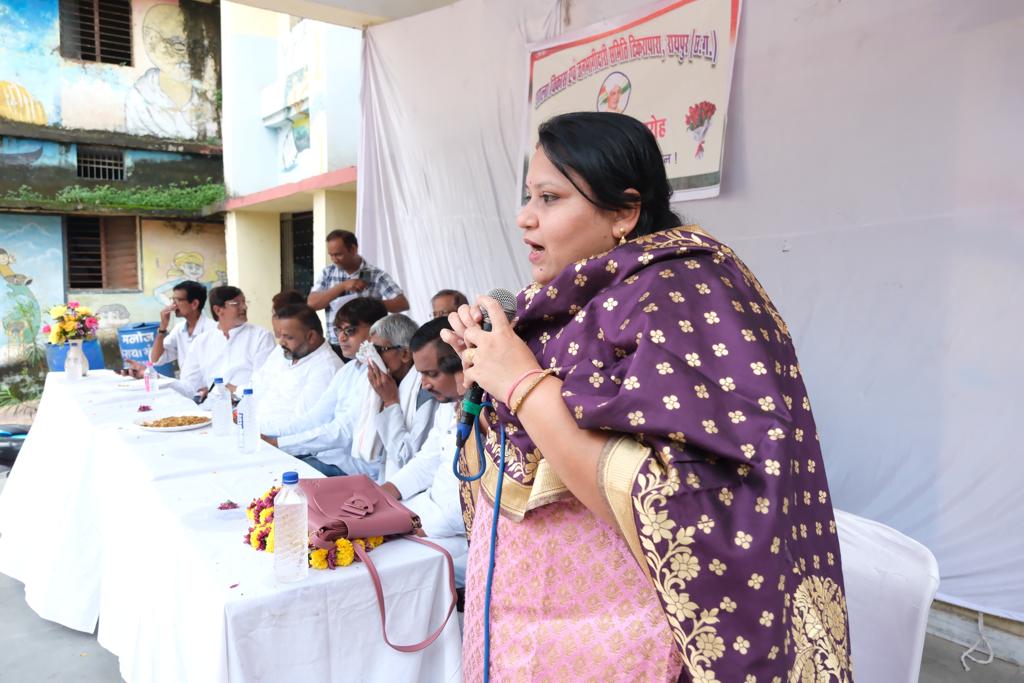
{"x": 515, "y": 385}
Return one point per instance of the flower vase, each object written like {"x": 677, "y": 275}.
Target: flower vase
{"x": 76, "y": 365}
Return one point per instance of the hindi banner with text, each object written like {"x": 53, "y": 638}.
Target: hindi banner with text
{"x": 669, "y": 66}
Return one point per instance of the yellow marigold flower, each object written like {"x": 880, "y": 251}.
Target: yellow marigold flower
{"x": 84, "y": 310}
{"x": 58, "y": 311}
{"x": 345, "y": 553}
{"x": 254, "y": 538}
{"x": 318, "y": 559}
{"x": 374, "y": 541}
{"x": 55, "y": 336}
{"x": 264, "y": 513}
{"x": 270, "y": 540}
{"x": 251, "y": 514}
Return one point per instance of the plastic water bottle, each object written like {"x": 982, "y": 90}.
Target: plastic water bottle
{"x": 149, "y": 385}
{"x": 248, "y": 424}
{"x": 220, "y": 407}
{"x": 291, "y": 535}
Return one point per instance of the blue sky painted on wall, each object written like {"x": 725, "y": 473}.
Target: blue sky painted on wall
{"x": 31, "y": 275}
{"x": 28, "y": 50}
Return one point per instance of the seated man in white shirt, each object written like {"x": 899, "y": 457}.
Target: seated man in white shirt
{"x": 232, "y": 349}
{"x": 187, "y": 300}
{"x": 323, "y": 435}
{"x": 405, "y": 412}
{"x": 297, "y": 373}
{"x": 427, "y": 484}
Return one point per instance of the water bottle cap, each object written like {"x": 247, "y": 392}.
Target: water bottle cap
{"x": 248, "y": 392}
{"x": 218, "y": 380}
{"x": 149, "y": 363}
{"x": 290, "y": 477}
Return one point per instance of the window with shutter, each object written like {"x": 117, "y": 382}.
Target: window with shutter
{"x": 96, "y": 31}
{"x": 102, "y": 252}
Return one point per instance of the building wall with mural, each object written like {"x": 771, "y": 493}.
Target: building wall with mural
{"x": 33, "y": 266}
{"x": 169, "y": 90}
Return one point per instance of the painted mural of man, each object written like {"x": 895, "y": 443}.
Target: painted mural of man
{"x": 163, "y": 101}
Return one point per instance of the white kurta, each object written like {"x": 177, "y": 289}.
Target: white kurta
{"x": 286, "y": 390}
{"x": 233, "y": 357}
{"x": 178, "y": 341}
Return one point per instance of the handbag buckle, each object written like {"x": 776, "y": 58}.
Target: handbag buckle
{"x": 356, "y": 506}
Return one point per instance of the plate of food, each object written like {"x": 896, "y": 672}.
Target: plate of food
{"x": 174, "y": 423}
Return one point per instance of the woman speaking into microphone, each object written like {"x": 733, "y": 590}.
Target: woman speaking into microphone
{"x": 664, "y": 512}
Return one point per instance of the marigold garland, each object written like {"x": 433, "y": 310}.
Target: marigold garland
{"x": 261, "y": 536}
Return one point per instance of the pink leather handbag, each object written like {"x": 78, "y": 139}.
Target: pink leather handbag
{"x": 357, "y": 507}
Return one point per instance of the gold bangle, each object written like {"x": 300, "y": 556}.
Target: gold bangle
{"x": 514, "y": 407}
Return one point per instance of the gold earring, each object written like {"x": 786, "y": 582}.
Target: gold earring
{"x": 622, "y": 238}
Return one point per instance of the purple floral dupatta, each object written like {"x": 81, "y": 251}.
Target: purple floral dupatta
{"x": 714, "y": 472}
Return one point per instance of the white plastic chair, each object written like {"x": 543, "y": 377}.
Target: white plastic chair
{"x": 890, "y": 582}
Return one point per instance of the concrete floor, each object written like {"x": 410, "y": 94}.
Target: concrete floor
{"x": 33, "y": 650}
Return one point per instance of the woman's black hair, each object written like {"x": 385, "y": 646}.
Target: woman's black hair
{"x": 612, "y": 153}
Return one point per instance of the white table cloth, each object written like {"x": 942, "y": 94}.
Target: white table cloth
{"x": 102, "y": 519}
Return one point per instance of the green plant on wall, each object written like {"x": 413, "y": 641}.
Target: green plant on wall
{"x": 181, "y": 196}
{"x": 18, "y": 387}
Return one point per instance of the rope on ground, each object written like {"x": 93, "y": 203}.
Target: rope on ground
{"x": 981, "y": 639}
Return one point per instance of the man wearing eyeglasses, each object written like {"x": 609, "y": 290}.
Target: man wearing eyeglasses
{"x": 232, "y": 350}
{"x": 402, "y": 414}
{"x": 322, "y": 437}
{"x": 187, "y": 301}
{"x": 427, "y": 485}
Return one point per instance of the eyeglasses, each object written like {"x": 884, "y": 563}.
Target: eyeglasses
{"x": 384, "y": 349}
{"x": 346, "y": 331}
{"x": 235, "y": 303}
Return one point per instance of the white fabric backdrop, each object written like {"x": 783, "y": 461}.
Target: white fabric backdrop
{"x": 872, "y": 181}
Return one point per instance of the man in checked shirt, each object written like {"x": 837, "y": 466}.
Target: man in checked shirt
{"x": 349, "y": 275}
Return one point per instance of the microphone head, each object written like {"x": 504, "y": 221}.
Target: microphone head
{"x": 507, "y": 301}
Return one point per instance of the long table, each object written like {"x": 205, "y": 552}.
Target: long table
{"x": 104, "y": 521}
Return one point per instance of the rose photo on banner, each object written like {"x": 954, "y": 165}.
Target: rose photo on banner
{"x": 668, "y": 65}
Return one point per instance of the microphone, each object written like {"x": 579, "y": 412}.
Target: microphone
{"x": 471, "y": 401}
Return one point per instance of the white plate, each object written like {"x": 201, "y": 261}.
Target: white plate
{"x": 183, "y": 428}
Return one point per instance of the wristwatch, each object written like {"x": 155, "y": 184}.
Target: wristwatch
{"x": 161, "y": 331}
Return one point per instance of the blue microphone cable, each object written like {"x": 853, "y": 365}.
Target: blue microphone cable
{"x": 494, "y": 527}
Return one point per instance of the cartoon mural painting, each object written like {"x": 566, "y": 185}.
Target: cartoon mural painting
{"x": 188, "y": 265}
{"x": 7, "y": 273}
{"x": 17, "y": 104}
{"x": 31, "y": 247}
{"x": 113, "y": 316}
{"x": 164, "y": 101}
{"x": 165, "y": 263}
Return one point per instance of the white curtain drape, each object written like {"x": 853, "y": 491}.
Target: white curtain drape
{"x": 872, "y": 182}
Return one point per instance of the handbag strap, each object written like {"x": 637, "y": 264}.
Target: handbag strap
{"x": 365, "y": 557}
